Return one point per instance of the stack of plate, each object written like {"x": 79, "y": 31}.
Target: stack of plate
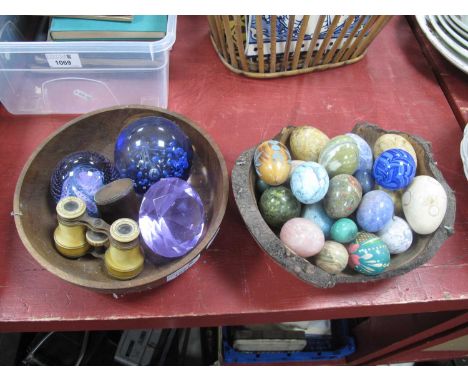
{"x": 449, "y": 35}
{"x": 464, "y": 151}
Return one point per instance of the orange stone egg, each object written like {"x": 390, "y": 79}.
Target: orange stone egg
{"x": 272, "y": 162}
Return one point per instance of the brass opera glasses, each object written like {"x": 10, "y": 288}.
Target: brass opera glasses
{"x": 78, "y": 234}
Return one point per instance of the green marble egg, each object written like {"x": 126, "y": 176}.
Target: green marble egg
{"x": 278, "y": 205}
{"x": 340, "y": 156}
{"x": 333, "y": 257}
{"x": 344, "y": 230}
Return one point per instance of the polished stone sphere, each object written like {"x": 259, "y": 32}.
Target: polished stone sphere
{"x": 302, "y": 237}
{"x": 333, "y": 258}
{"x": 278, "y": 205}
{"x": 365, "y": 153}
{"x": 375, "y": 211}
{"x": 152, "y": 148}
{"x": 309, "y": 182}
{"x": 344, "y": 230}
{"x": 365, "y": 179}
{"x": 272, "y": 162}
{"x": 316, "y": 213}
{"x": 397, "y": 235}
{"x": 307, "y": 142}
{"x": 343, "y": 196}
{"x": 340, "y": 156}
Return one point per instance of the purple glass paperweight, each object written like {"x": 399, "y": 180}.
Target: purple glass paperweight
{"x": 171, "y": 219}
{"x": 82, "y": 174}
{"x": 152, "y": 148}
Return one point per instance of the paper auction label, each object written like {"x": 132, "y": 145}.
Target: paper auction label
{"x": 71, "y": 60}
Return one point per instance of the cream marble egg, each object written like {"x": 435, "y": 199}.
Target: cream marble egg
{"x": 393, "y": 141}
{"x": 424, "y": 204}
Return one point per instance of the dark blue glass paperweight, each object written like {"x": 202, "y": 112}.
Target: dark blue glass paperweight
{"x": 152, "y": 148}
{"x": 82, "y": 174}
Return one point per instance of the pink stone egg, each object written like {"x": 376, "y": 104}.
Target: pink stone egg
{"x": 302, "y": 236}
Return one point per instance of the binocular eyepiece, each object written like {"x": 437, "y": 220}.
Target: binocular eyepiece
{"x": 78, "y": 234}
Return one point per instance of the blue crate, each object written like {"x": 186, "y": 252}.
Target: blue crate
{"x": 319, "y": 348}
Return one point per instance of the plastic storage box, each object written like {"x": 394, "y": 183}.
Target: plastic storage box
{"x": 336, "y": 346}
{"x": 55, "y": 77}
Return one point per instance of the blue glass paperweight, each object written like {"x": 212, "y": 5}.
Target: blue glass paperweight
{"x": 152, "y": 148}
{"x": 82, "y": 174}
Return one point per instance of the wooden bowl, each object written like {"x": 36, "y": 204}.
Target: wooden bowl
{"x": 34, "y": 210}
{"x": 422, "y": 249}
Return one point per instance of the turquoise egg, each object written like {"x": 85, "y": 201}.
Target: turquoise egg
{"x": 344, "y": 230}
{"x": 316, "y": 213}
{"x": 368, "y": 254}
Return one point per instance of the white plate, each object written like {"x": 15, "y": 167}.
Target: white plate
{"x": 455, "y": 36}
{"x": 464, "y": 151}
{"x": 455, "y": 27}
{"x": 452, "y": 56}
{"x": 459, "y": 21}
{"x": 447, "y": 38}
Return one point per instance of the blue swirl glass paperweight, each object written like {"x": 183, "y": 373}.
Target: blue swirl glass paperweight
{"x": 82, "y": 174}
{"x": 152, "y": 148}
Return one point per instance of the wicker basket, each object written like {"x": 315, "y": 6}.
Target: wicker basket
{"x": 421, "y": 250}
{"x": 297, "y": 44}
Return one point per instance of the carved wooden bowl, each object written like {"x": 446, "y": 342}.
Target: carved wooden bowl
{"x": 421, "y": 250}
{"x": 34, "y": 210}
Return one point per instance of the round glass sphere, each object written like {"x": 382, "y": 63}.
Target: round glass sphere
{"x": 171, "y": 219}
{"x": 152, "y": 148}
{"x": 394, "y": 169}
{"x": 82, "y": 174}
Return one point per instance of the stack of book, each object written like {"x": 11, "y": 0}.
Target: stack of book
{"x": 84, "y": 28}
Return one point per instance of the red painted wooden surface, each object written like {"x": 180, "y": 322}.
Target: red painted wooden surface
{"x": 235, "y": 282}
{"x": 422, "y": 352}
{"x": 453, "y": 81}
{"x": 396, "y": 334}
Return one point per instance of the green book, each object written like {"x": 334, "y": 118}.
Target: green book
{"x": 143, "y": 27}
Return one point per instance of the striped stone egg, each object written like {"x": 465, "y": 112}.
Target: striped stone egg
{"x": 333, "y": 257}
{"x": 340, "y": 156}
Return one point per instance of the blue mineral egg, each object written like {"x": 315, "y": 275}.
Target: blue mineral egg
{"x": 309, "y": 182}
{"x": 365, "y": 153}
{"x": 365, "y": 179}
{"x": 394, "y": 169}
{"x": 375, "y": 211}
{"x": 316, "y": 214}
{"x": 151, "y": 148}
{"x": 82, "y": 174}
